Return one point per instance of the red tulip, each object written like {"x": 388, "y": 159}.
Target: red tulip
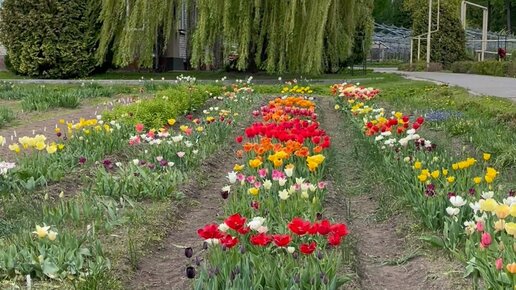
{"x": 339, "y": 229}
{"x": 324, "y": 227}
{"x": 420, "y": 120}
{"x": 299, "y": 226}
{"x": 243, "y": 230}
{"x": 313, "y": 229}
{"x": 239, "y": 139}
{"x": 139, "y": 128}
{"x": 235, "y": 221}
{"x": 260, "y": 240}
{"x": 334, "y": 239}
{"x": 229, "y": 242}
{"x": 416, "y": 126}
{"x": 281, "y": 240}
{"x": 307, "y": 249}
{"x": 210, "y": 231}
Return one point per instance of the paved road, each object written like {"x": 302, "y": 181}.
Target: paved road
{"x": 476, "y": 84}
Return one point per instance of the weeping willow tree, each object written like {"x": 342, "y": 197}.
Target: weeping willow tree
{"x": 133, "y": 29}
{"x": 305, "y": 36}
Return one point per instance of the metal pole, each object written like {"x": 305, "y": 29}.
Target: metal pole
{"x": 484, "y": 34}
{"x": 429, "y": 36}
{"x": 411, "y": 50}
{"x": 418, "y": 48}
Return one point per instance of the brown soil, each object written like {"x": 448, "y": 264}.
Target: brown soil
{"x": 382, "y": 246}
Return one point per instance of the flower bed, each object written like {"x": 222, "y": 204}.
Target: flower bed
{"x": 460, "y": 198}
{"x": 274, "y": 236}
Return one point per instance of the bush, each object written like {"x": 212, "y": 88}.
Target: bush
{"x": 170, "y": 103}
{"x": 50, "y": 39}
{"x": 492, "y": 68}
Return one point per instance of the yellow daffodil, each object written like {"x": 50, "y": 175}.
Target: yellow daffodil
{"x": 41, "y": 232}
{"x": 445, "y": 172}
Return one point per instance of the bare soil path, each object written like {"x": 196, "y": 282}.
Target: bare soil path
{"x": 387, "y": 256}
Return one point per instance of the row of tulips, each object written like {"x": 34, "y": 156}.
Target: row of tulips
{"x": 462, "y": 199}
{"x": 275, "y": 236}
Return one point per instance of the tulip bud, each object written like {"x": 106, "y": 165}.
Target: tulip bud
{"x": 205, "y": 246}
{"x": 190, "y": 272}
{"x": 319, "y": 216}
{"x": 189, "y": 252}
{"x": 242, "y": 249}
{"x": 295, "y": 255}
{"x": 320, "y": 255}
{"x": 499, "y": 264}
{"x": 198, "y": 261}
{"x": 224, "y": 194}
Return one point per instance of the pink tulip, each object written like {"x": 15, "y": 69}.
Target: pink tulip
{"x": 499, "y": 264}
{"x": 486, "y": 240}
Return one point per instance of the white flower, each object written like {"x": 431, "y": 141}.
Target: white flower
{"x": 177, "y": 138}
{"x": 487, "y": 194}
{"x": 212, "y": 241}
{"x": 232, "y": 176}
{"x": 188, "y": 144}
{"x": 406, "y": 159}
{"x": 475, "y": 206}
{"x": 291, "y": 250}
{"x": 223, "y": 227}
{"x": 378, "y": 138}
{"x": 195, "y": 151}
{"x": 411, "y": 131}
{"x": 159, "y": 158}
{"x": 282, "y": 181}
{"x": 226, "y": 188}
{"x": 181, "y": 154}
{"x": 386, "y": 133}
{"x": 267, "y": 184}
{"x": 457, "y": 201}
{"x": 452, "y": 211}
{"x": 170, "y": 164}
{"x": 305, "y": 186}
{"x": 305, "y": 195}
{"x": 262, "y": 229}
{"x": 284, "y": 194}
{"x": 508, "y": 201}
{"x": 289, "y": 171}
{"x": 256, "y": 223}
{"x": 403, "y": 142}
{"x": 312, "y": 187}
{"x": 300, "y": 180}
{"x": 470, "y": 227}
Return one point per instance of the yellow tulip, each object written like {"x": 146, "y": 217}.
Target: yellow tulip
{"x": 486, "y": 156}
{"x": 511, "y": 268}
{"x": 502, "y": 211}
{"x": 512, "y": 210}
{"x": 435, "y": 174}
{"x": 477, "y": 180}
{"x": 40, "y": 146}
{"x": 15, "y": 148}
{"x": 200, "y": 129}
{"x": 255, "y": 163}
{"x": 418, "y": 165}
{"x": 488, "y": 204}
{"x": 60, "y": 146}
{"x": 422, "y": 177}
{"x": 253, "y": 191}
{"x": 499, "y": 225}
{"x": 445, "y": 172}
{"x": 52, "y": 235}
{"x": 510, "y": 228}
{"x": 41, "y": 232}
{"x": 171, "y": 122}
{"x": 238, "y": 167}
{"x": 451, "y": 179}
{"x": 51, "y": 149}
{"x": 61, "y": 121}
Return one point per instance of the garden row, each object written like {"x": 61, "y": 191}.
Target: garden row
{"x": 108, "y": 168}
{"x": 460, "y": 198}
{"x": 274, "y": 235}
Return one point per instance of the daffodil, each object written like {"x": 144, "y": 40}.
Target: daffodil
{"x": 41, "y": 232}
